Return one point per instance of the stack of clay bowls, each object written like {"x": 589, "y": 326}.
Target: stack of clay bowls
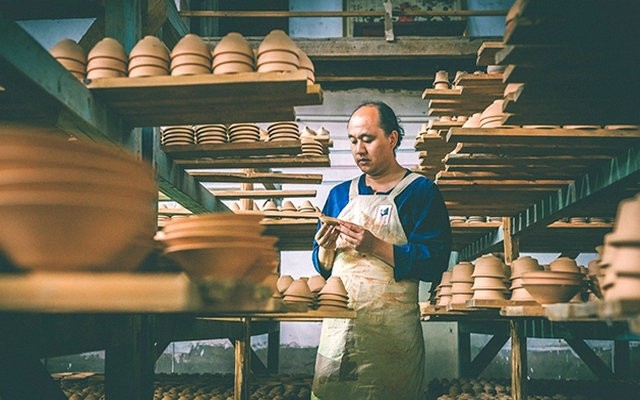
{"x": 270, "y": 205}
{"x": 244, "y": 133}
{"x": 284, "y": 130}
{"x": 288, "y": 206}
{"x": 299, "y": 292}
{"x": 333, "y": 296}
{"x": 476, "y": 219}
{"x": 71, "y": 56}
{"x": 473, "y": 121}
{"x": 211, "y": 134}
{"x": 72, "y": 205}
{"x": 220, "y": 247}
{"x": 492, "y": 116}
{"x": 622, "y": 251}
{"x": 311, "y": 147}
{"x": 282, "y": 284}
{"x": 278, "y": 52}
{"x": 457, "y": 220}
{"x": 461, "y": 282}
{"x": 306, "y": 207}
{"x": 316, "y": 283}
{"x": 233, "y": 54}
{"x": 444, "y": 290}
{"x": 518, "y": 267}
{"x": 306, "y": 65}
{"x": 441, "y": 80}
{"x": 106, "y": 59}
{"x": 177, "y": 135}
{"x": 489, "y": 278}
{"x": 548, "y": 287}
{"x": 149, "y": 57}
{"x": 190, "y": 56}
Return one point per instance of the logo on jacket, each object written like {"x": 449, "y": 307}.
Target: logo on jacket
{"x": 383, "y": 214}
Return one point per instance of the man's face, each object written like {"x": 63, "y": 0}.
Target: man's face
{"x": 372, "y": 149}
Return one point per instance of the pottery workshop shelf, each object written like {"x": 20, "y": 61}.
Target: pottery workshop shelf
{"x": 257, "y": 162}
{"x": 470, "y": 94}
{"x": 574, "y": 73}
{"x": 230, "y": 98}
{"x": 465, "y": 233}
{"x": 293, "y": 233}
{"x": 236, "y": 150}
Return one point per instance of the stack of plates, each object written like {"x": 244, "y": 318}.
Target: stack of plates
{"x": 333, "y": 295}
{"x": 476, "y": 219}
{"x": 211, "y": 134}
{"x": 176, "y": 135}
{"x": 311, "y": 147}
{"x": 306, "y": 207}
{"x": 244, "y": 133}
{"x": 299, "y": 292}
{"x": 283, "y": 131}
{"x": 72, "y": 205}
{"x": 220, "y": 247}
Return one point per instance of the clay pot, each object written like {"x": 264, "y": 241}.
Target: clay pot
{"x": 147, "y": 70}
{"x": 68, "y": 48}
{"x": 107, "y": 63}
{"x": 484, "y": 282}
{"x": 191, "y": 44}
{"x": 288, "y": 206}
{"x": 108, "y": 47}
{"x": 461, "y": 272}
{"x": 316, "y": 283}
{"x": 549, "y": 293}
{"x": 150, "y": 46}
{"x": 473, "y": 121}
{"x": 277, "y": 40}
{"x": 627, "y": 260}
{"x": 233, "y": 42}
{"x": 626, "y": 227}
{"x": 444, "y": 300}
{"x": 334, "y": 285}
{"x": 233, "y": 57}
{"x": 445, "y": 289}
{"x": 552, "y": 275}
{"x": 446, "y": 278}
{"x": 489, "y": 266}
{"x": 524, "y": 264}
{"x": 104, "y": 73}
{"x": 279, "y": 56}
{"x": 458, "y": 298}
{"x": 461, "y": 287}
{"x": 564, "y": 264}
{"x": 190, "y": 69}
{"x": 298, "y": 288}
{"x": 283, "y": 283}
{"x": 493, "y": 115}
{"x": 233, "y": 68}
{"x": 277, "y": 67}
{"x": 488, "y": 294}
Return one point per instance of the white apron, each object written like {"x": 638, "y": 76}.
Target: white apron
{"x": 380, "y": 354}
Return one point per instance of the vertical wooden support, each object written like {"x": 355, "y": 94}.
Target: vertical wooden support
{"x": 246, "y": 204}
{"x": 243, "y": 362}
{"x": 464, "y": 353}
{"x": 273, "y": 351}
{"x": 388, "y": 21}
{"x": 129, "y": 363}
{"x": 621, "y": 359}
{"x": 123, "y": 21}
{"x": 511, "y": 241}
{"x": 518, "y": 360}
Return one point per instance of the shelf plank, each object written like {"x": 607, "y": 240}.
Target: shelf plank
{"x": 294, "y": 233}
{"x": 480, "y": 303}
{"x": 173, "y": 100}
{"x": 261, "y": 194}
{"x": 262, "y": 162}
{"x": 544, "y": 136}
{"x": 239, "y": 150}
{"x": 487, "y": 53}
{"x": 255, "y": 177}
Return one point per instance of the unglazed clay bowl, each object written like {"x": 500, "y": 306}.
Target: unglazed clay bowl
{"x": 549, "y": 293}
{"x": 67, "y": 48}
{"x": 461, "y": 287}
{"x": 482, "y": 282}
{"x": 148, "y": 60}
{"x": 279, "y": 56}
{"x": 233, "y": 68}
{"x": 277, "y": 67}
{"x": 461, "y": 272}
{"x": 524, "y": 264}
{"x": 488, "y": 294}
{"x": 233, "y": 57}
{"x": 334, "y": 286}
{"x": 277, "y": 40}
{"x": 284, "y": 282}
{"x": 446, "y": 278}
{"x": 300, "y": 288}
{"x": 624, "y": 287}
{"x": 108, "y": 47}
{"x": 190, "y": 69}
{"x": 147, "y": 70}
{"x": 233, "y": 42}
{"x": 150, "y": 46}
{"x": 191, "y": 44}
{"x": 100, "y": 73}
{"x": 216, "y": 261}
{"x": 564, "y": 264}
{"x": 489, "y": 266}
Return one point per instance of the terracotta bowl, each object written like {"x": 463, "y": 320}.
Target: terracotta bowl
{"x": 445, "y": 289}
{"x": 305, "y": 62}
{"x": 521, "y": 294}
{"x": 627, "y": 260}
{"x": 561, "y": 275}
{"x": 461, "y": 272}
{"x": 461, "y": 287}
{"x": 524, "y": 264}
{"x": 564, "y": 264}
{"x": 215, "y": 262}
{"x": 191, "y": 44}
{"x": 233, "y": 68}
{"x": 549, "y": 293}
{"x": 72, "y": 65}
{"x": 150, "y": 46}
{"x": 626, "y": 229}
{"x": 488, "y": 266}
{"x": 446, "y": 278}
{"x": 277, "y": 67}
{"x": 284, "y": 282}
{"x": 336, "y": 297}
{"x": 458, "y": 298}
{"x": 277, "y": 40}
{"x": 191, "y": 59}
{"x": 105, "y": 73}
{"x": 232, "y": 42}
{"x": 233, "y": 57}
{"x": 190, "y": 69}
{"x": 68, "y": 48}
{"x": 316, "y": 283}
{"x": 279, "y": 56}
{"x": 624, "y": 287}
{"x": 334, "y": 286}
{"x": 444, "y": 300}
{"x": 300, "y": 288}
{"x": 148, "y": 60}
{"x": 488, "y": 294}
{"x": 147, "y": 70}
{"x": 482, "y": 282}
{"x": 108, "y": 47}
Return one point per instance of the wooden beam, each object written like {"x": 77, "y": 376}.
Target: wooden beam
{"x": 257, "y": 162}
{"x": 256, "y": 177}
{"x": 590, "y": 358}
{"x": 123, "y": 21}
{"x": 487, "y": 53}
{"x": 518, "y": 360}
{"x": 336, "y": 14}
{"x": 43, "y": 9}
{"x": 262, "y": 194}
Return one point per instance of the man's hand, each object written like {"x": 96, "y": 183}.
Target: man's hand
{"x": 327, "y": 235}
{"x": 358, "y": 237}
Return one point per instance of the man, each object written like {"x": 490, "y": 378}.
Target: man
{"x": 392, "y": 231}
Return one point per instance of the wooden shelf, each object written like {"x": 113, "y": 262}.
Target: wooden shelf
{"x": 472, "y": 93}
{"x": 237, "y": 150}
{"x": 464, "y": 233}
{"x": 256, "y": 177}
{"x": 294, "y": 233}
{"x": 228, "y": 98}
{"x": 487, "y": 53}
{"x": 261, "y": 162}
{"x": 262, "y": 194}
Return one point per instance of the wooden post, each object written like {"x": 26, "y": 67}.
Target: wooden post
{"x": 518, "y": 360}
{"x": 243, "y": 362}
{"x": 511, "y": 242}
{"x": 246, "y": 204}
{"x": 388, "y": 21}
{"x": 621, "y": 359}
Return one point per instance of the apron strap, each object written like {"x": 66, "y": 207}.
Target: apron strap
{"x": 402, "y": 185}
{"x": 353, "y": 188}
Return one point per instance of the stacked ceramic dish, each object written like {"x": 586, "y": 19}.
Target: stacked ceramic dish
{"x": 444, "y": 290}
{"x": 306, "y": 206}
{"x": 473, "y": 121}
{"x": 71, "y": 56}
{"x": 621, "y": 258}
{"x": 244, "y": 133}
{"x": 233, "y": 54}
{"x": 72, "y": 205}
{"x": 284, "y": 130}
{"x": 476, "y": 219}
{"x": 278, "y": 52}
{"x": 149, "y": 57}
{"x": 211, "y": 134}
{"x": 282, "y": 284}
{"x": 489, "y": 278}
{"x": 270, "y": 205}
{"x": 288, "y": 206}
{"x": 456, "y": 220}
{"x": 461, "y": 282}
{"x": 220, "y": 247}
{"x": 306, "y": 65}
{"x": 312, "y": 147}
{"x": 106, "y": 59}
{"x": 548, "y": 287}
{"x": 518, "y": 267}
{"x": 177, "y": 135}
{"x": 299, "y": 292}
{"x": 333, "y": 296}
{"x": 492, "y": 116}
{"x": 441, "y": 80}
{"x": 190, "y": 56}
